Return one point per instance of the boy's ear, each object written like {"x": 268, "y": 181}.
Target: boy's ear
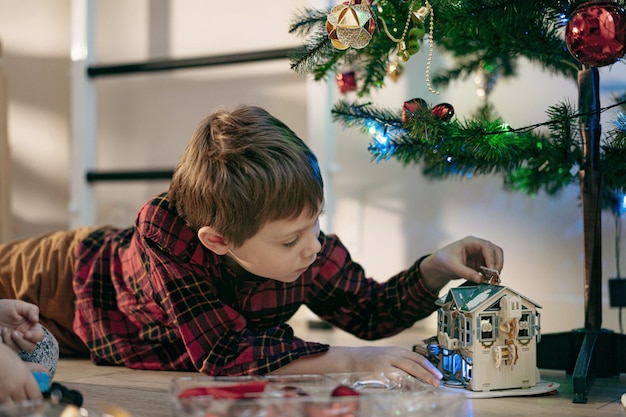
{"x": 213, "y": 240}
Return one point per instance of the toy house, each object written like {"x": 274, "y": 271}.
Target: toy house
{"x": 487, "y": 338}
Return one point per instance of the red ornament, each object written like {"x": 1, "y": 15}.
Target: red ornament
{"x": 596, "y": 33}
{"x": 346, "y": 81}
{"x": 444, "y": 111}
{"x": 343, "y": 391}
{"x": 411, "y": 107}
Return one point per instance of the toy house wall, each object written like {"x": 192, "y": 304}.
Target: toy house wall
{"x": 486, "y": 377}
{"x": 386, "y": 213}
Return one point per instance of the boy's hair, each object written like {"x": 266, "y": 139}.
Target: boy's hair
{"x": 241, "y": 169}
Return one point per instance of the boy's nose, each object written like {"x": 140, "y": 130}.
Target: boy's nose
{"x": 313, "y": 247}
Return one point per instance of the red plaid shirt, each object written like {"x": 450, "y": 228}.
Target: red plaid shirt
{"x": 152, "y": 297}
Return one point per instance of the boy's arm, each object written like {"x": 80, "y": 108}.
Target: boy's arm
{"x": 219, "y": 342}
{"x": 365, "y": 359}
{"x": 372, "y": 309}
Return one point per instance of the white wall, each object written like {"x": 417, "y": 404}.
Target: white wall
{"x": 387, "y": 214}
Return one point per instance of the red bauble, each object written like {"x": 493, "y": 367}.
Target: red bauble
{"x": 346, "y": 81}
{"x": 409, "y": 108}
{"x": 596, "y": 33}
{"x": 343, "y": 391}
{"x": 444, "y": 111}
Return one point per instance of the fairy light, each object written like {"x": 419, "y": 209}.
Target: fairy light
{"x": 620, "y": 122}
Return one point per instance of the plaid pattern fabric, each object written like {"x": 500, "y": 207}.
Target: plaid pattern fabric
{"x": 153, "y": 297}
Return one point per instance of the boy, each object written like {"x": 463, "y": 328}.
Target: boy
{"x": 213, "y": 269}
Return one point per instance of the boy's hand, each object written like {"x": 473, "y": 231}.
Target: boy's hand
{"x": 366, "y": 359}
{"x": 16, "y": 378}
{"x": 460, "y": 260}
{"x": 19, "y": 325}
{"x": 19, "y": 341}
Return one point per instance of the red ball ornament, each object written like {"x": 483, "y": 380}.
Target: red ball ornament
{"x": 409, "y": 108}
{"x": 444, "y": 111}
{"x": 596, "y": 33}
{"x": 344, "y": 391}
{"x": 346, "y": 81}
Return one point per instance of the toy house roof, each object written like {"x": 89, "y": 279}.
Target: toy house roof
{"x": 468, "y": 297}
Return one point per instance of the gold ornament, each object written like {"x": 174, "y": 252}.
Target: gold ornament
{"x": 395, "y": 70}
{"x": 350, "y": 25}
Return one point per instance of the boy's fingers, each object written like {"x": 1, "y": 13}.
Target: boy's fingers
{"x": 35, "y": 335}
{"x": 16, "y": 341}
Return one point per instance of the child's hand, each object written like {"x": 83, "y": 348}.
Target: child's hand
{"x": 19, "y": 324}
{"x": 461, "y": 259}
{"x": 16, "y": 378}
{"x": 366, "y": 359}
{"x": 18, "y": 341}
{"x": 393, "y": 359}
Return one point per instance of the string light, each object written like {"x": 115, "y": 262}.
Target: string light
{"x": 620, "y": 122}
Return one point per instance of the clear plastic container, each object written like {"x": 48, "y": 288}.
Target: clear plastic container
{"x": 329, "y": 395}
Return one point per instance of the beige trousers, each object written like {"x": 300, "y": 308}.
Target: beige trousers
{"x": 40, "y": 270}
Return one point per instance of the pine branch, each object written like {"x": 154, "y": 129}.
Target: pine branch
{"x": 306, "y": 21}
{"x": 504, "y": 30}
{"x": 479, "y": 34}
{"x": 529, "y": 161}
{"x": 354, "y": 115}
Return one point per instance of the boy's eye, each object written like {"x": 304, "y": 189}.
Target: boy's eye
{"x": 292, "y": 243}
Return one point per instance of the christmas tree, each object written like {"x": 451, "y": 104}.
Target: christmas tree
{"x": 487, "y": 38}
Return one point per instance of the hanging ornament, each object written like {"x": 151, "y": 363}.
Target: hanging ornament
{"x": 346, "y": 81}
{"x": 596, "y": 33}
{"x": 412, "y": 34}
{"x": 417, "y": 31}
{"x": 350, "y": 24}
{"x": 395, "y": 70}
{"x": 412, "y": 107}
{"x": 443, "y": 111}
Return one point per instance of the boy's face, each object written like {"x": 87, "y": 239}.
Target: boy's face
{"x": 282, "y": 250}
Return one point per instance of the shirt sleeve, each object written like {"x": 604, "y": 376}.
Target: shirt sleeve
{"x": 217, "y": 337}
{"x": 343, "y": 295}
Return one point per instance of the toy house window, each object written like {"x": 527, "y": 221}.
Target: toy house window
{"x": 488, "y": 327}
{"x": 525, "y": 326}
{"x": 446, "y": 361}
{"x": 468, "y": 331}
{"x": 452, "y": 363}
{"x": 537, "y": 326}
{"x": 467, "y": 368}
{"x": 444, "y": 322}
{"x": 458, "y": 326}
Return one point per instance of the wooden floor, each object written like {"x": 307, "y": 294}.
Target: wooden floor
{"x": 124, "y": 392}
